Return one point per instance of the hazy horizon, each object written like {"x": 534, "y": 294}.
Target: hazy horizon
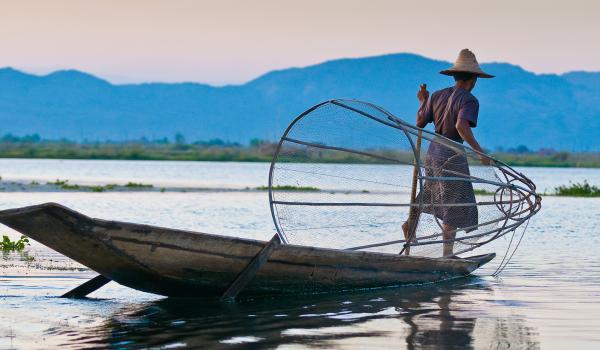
{"x": 229, "y": 42}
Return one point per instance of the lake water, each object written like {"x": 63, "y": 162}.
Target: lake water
{"x": 548, "y": 297}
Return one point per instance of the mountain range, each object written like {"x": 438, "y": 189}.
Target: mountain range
{"x": 517, "y": 107}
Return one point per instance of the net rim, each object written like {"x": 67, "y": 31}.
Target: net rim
{"x": 406, "y": 128}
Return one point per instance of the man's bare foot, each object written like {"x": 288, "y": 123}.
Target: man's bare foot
{"x": 405, "y": 230}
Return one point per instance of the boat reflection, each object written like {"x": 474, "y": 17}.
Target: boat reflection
{"x": 439, "y": 316}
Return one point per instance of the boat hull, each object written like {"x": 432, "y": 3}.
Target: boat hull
{"x": 191, "y": 264}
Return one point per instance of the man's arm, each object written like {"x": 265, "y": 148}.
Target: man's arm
{"x": 425, "y": 114}
{"x": 464, "y": 130}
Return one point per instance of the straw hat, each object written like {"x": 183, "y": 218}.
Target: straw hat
{"x": 466, "y": 63}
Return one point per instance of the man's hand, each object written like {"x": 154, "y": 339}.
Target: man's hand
{"x": 484, "y": 160}
{"x": 423, "y": 94}
{"x": 465, "y": 132}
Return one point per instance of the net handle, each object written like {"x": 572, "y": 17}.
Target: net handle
{"x": 413, "y": 217}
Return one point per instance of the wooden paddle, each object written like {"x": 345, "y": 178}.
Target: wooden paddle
{"x": 413, "y": 217}
{"x": 251, "y": 269}
{"x": 412, "y": 223}
{"x": 86, "y": 288}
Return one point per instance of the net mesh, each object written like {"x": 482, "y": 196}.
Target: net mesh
{"x": 349, "y": 175}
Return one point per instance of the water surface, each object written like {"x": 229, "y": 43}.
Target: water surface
{"x": 548, "y": 297}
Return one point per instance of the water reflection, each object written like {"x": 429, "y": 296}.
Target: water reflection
{"x": 443, "y": 316}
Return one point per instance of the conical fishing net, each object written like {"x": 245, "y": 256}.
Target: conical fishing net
{"x": 348, "y": 175}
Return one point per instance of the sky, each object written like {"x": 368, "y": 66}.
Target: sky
{"x": 228, "y": 42}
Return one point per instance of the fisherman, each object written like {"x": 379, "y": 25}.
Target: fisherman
{"x": 453, "y": 111}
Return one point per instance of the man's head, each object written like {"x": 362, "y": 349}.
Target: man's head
{"x": 466, "y": 69}
{"x": 465, "y": 80}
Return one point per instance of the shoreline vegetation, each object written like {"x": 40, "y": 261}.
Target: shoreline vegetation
{"x": 65, "y": 185}
{"x": 33, "y": 146}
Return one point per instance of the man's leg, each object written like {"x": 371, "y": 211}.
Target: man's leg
{"x": 406, "y": 229}
{"x": 449, "y": 232}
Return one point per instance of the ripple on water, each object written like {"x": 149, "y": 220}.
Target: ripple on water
{"x": 548, "y": 297}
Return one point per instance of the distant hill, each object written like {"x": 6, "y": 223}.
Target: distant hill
{"x": 517, "y": 108}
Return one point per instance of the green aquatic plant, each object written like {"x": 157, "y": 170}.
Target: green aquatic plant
{"x": 10, "y": 246}
{"x": 583, "y": 189}
{"x": 289, "y": 188}
{"x": 482, "y": 192}
{"x": 70, "y": 187}
{"x": 26, "y": 257}
{"x": 138, "y": 185}
{"x": 65, "y": 185}
{"x": 58, "y": 182}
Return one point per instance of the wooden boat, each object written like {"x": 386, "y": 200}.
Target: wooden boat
{"x": 191, "y": 264}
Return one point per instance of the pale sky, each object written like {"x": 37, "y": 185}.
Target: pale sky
{"x": 225, "y": 41}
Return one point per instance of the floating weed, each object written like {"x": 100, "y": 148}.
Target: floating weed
{"x": 10, "y": 246}
{"x": 58, "y": 182}
{"x": 26, "y": 257}
{"x": 289, "y": 188}
{"x": 65, "y": 185}
{"x": 70, "y": 187}
{"x": 583, "y": 189}
{"x": 482, "y": 192}
{"x": 100, "y": 188}
{"x": 138, "y": 185}
{"x": 97, "y": 188}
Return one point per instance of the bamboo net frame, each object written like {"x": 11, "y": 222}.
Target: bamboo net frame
{"x": 360, "y": 132}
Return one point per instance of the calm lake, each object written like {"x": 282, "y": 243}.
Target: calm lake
{"x": 548, "y": 297}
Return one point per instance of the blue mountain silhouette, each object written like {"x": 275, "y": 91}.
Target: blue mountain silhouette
{"x": 517, "y": 108}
